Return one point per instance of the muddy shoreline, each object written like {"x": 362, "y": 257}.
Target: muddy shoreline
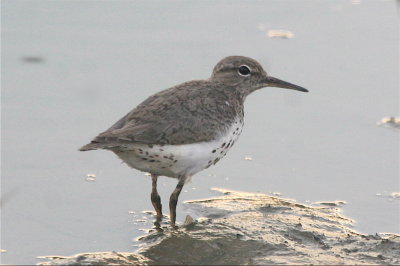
{"x": 251, "y": 228}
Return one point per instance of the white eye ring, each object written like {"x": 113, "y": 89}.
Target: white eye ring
{"x": 244, "y": 70}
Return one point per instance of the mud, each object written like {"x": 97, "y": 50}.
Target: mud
{"x": 250, "y": 228}
{"x": 390, "y": 122}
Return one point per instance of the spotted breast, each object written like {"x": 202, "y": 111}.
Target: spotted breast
{"x": 178, "y": 160}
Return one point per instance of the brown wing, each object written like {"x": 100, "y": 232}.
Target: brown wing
{"x": 173, "y": 116}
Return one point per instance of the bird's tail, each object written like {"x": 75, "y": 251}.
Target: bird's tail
{"x": 95, "y": 145}
{"x": 92, "y": 146}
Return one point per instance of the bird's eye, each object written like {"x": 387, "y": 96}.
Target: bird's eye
{"x": 244, "y": 70}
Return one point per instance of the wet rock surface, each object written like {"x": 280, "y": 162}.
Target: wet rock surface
{"x": 250, "y": 228}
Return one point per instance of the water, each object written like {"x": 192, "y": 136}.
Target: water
{"x": 71, "y": 69}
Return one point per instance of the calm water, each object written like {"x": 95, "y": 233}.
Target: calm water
{"x": 70, "y": 69}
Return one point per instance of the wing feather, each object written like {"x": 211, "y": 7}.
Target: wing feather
{"x": 173, "y": 116}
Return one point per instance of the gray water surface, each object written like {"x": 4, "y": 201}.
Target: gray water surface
{"x": 70, "y": 69}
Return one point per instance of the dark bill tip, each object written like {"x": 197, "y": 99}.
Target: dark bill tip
{"x": 274, "y": 82}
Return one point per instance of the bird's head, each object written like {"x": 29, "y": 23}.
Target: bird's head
{"x": 247, "y": 75}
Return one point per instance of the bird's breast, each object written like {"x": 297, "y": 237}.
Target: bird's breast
{"x": 184, "y": 159}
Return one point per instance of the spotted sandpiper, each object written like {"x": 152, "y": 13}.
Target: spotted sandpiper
{"x": 185, "y": 129}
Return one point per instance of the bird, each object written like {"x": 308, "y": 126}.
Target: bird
{"x": 185, "y": 129}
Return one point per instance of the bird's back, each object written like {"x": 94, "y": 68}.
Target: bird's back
{"x": 192, "y": 112}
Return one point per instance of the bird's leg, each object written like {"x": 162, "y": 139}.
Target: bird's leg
{"x": 155, "y": 198}
{"x": 173, "y": 200}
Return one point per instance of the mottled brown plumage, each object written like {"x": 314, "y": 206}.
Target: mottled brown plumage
{"x": 184, "y": 129}
{"x": 175, "y": 116}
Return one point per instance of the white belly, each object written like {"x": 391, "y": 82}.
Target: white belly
{"x": 178, "y": 160}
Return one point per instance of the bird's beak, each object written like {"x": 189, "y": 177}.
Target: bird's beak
{"x": 274, "y": 82}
